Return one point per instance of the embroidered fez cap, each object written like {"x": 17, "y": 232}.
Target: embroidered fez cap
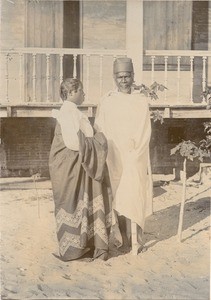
{"x": 123, "y": 64}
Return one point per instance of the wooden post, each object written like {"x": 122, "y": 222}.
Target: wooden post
{"x": 114, "y": 84}
{"x": 61, "y": 67}
{"x": 74, "y": 66}
{"x": 149, "y": 169}
{"x": 204, "y": 78}
{"x": 47, "y": 76}
{"x": 87, "y": 76}
{"x": 179, "y": 233}
{"x": 101, "y": 75}
{"x": 178, "y": 77}
{"x": 34, "y": 76}
{"x": 134, "y": 36}
{"x": 21, "y": 76}
{"x": 166, "y": 76}
{"x": 209, "y": 46}
{"x": 191, "y": 78}
{"x": 152, "y": 69}
{"x": 7, "y": 76}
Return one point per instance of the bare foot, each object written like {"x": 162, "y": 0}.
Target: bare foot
{"x": 142, "y": 249}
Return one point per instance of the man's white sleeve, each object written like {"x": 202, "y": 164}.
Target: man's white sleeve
{"x": 86, "y": 127}
{"x": 99, "y": 119}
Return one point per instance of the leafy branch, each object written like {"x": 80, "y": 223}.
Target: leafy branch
{"x": 190, "y": 150}
{"x": 152, "y": 93}
{"x": 157, "y": 116}
{"x": 207, "y": 96}
{"x": 205, "y": 144}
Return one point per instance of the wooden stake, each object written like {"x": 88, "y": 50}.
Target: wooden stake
{"x": 134, "y": 238}
{"x": 38, "y": 200}
{"x": 179, "y": 233}
{"x": 149, "y": 169}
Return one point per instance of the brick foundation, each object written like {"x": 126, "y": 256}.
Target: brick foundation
{"x": 26, "y": 142}
{"x": 25, "y": 146}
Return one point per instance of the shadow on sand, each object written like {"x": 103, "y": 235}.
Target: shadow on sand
{"x": 163, "y": 224}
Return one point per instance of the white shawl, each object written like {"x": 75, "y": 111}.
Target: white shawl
{"x": 125, "y": 121}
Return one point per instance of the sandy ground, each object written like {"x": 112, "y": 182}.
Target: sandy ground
{"x": 167, "y": 270}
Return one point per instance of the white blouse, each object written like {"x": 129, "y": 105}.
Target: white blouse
{"x": 71, "y": 119}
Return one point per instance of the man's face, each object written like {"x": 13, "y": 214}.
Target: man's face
{"x": 124, "y": 81}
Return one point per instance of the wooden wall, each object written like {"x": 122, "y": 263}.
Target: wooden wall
{"x": 200, "y": 25}
{"x": 209, "y": 44}
{"x": 167, "y": 26}
{"x": 12, "y": 23}
{"x": 44, "y": 24}
{"x": 12, "y": 26}
{"x": 103, "y": 26}
{"x": 199, "y": 42}
{"x": 44, "y": 28}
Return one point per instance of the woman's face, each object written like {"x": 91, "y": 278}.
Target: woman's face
{"x": 124, "y": 81}
{"x": 78, "y": 96}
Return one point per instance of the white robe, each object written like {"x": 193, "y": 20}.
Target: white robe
{"x": 125, "y": 121}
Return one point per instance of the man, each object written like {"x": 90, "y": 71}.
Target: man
{"x": 123, "y": 116}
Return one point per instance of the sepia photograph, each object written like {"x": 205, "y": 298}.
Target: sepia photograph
{"x": 105, "y": 149}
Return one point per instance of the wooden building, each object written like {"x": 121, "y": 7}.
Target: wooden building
{"x": 44, "y": 41}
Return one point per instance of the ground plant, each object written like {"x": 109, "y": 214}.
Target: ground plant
{"x": 190, "y": 150}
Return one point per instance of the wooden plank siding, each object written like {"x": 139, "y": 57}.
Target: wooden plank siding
{"x": 209, "y": 45}
{"x": 12, "y": 26}
{"x": 44, "y": 30}
{"x": 199, "y": 40}
{"x": 12, "y": 32}
{"x": 167, "y": 26}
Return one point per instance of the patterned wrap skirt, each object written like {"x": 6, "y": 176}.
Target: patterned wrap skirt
{"x": 82, "y": 195}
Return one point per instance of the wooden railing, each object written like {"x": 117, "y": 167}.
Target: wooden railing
{"x": 188, "y": 71}
{"x": 34, "y": 74}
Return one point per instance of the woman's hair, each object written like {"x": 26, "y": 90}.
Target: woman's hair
{"x": 68, "y": 85}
